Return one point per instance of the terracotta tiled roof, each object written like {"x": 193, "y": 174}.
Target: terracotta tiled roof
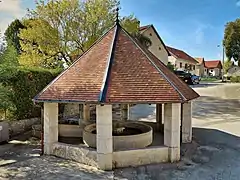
{"x": 181, "y": 54}
{"x": 117, "y": 69}
{"x": 200, "y": 60}
{"x": 144, "y": 27}
{"x": 213, "y": 64}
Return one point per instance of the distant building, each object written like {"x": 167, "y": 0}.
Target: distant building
{"x": 213, "y": 68}
{"x": 200, "y": 67}
{"x": 181, "y": 60}
{"x": 157, "y": 47}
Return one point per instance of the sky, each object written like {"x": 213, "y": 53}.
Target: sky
{"x": 195, "y": 26}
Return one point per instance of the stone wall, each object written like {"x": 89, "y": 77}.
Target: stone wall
{"x": 21, "y": 126}
{"x": 138, "y": 157}
{"x": 78, "y": 153}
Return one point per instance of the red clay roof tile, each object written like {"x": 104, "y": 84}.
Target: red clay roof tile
{"x": 181, "y": 54}
{"x": 213, "y": 64}
{"x": 117, "y": 69}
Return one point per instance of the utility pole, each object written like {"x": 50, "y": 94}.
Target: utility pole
{"x": 223, "y": 58}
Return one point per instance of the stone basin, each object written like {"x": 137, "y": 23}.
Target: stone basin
{"x": 126, "y": 135}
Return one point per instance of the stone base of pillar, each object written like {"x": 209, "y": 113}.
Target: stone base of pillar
{"x": 47, "y": 148}
{"x": 187, "y": 122}
{"x": 105, "y": 161}
{"x": 174, "y": 154}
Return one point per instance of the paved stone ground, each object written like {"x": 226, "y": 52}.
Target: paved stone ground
{"x": 214, "y": 154}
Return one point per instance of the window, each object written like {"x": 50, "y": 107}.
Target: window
{"x": 193, "y": 67}
{"x": 150, "y": 34}
{"x": 159, "y": 48}
{"x": 180, "y": 65}
{"x": 190, "y": 67}
{"x": 186, "y": 66}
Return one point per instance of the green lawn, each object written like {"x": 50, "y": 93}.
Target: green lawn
{"x": 209, "y": 79}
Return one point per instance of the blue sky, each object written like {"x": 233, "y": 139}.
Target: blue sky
{"x": 195, "y": 26}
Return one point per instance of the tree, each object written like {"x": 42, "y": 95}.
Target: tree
{"x": 170, "y": 66}
{"x": 61, "y": 30}
{"x": 227, "y": 65}
{"x": 9, "y": 56}
{"x": 231, "y": 40}
{"x": 40, "y": 44}
{"x": 11, "y": 35}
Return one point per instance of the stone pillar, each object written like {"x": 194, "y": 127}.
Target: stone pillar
{"x": 187, "y": 122}
{"x": 124, "y": 111}
{"x": 159, "y": 118}
{"x": 104, "y": 136}
{"x": 172, "y": 115}
{"x": 86, "y": 112}
{"x": 50, "y": 126}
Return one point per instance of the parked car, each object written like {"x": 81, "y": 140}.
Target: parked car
{"x": 186, "y": 77}
{"x": 195, "y": 79}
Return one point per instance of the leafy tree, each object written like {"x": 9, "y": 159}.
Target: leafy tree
{"x": 9, "y": 56}
{"x": 40, "y": 44}
{"x": 170, "y": 66}
{"x": 11, "y": 34}
{"x": 227, "y": 65}
{"x": 231, "y": 40}
{"x": 61, "y": 30}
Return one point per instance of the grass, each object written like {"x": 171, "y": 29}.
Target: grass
{"x": 209, "y": 79}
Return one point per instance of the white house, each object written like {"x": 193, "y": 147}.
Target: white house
{"x": 181, "y": 60}
{"x": 157, "y": 47}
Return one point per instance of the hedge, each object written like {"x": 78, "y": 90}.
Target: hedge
{"x": 24, "y": 83}
{"x": 235, "y": 79}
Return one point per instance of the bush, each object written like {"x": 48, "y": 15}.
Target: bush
{"x": 235, "y": 79}
{"x": 24, "y": 84}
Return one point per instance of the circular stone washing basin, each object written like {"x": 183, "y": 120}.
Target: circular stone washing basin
{"x": 126, "y": 135}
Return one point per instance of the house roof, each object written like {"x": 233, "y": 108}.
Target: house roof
{"x": 144, "y": 28}
{"x": 117, "y": 69}
{"x": 181, "y": 54}
{"x": 213, "y": 64}
{"x": 200, "y": 60}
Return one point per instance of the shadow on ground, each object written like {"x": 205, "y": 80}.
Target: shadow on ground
{"x": 20, "y": 159}
{"x": 205, "y": 85}
{"x": 212, "y": 155}
{"x": 220, "y": 110}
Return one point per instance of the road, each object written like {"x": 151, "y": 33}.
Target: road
{"x": 216, "y": 135}
{"x": 214, "y": 153}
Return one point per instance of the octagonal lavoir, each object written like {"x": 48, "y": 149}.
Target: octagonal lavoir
{"x": 126, "y": 135}
{"x": 118, "y": 70}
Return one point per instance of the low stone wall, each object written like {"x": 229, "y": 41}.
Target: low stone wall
{"x": 68, "y": 130}
{"x": 20, "y": 126}
{"x": 140, "y": 157}
{"x": 77, "y": 153}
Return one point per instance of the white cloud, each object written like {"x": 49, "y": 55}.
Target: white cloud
{"x": 9, "y": 10}
{"x": 12, "y": 7}
{"x": 238, "y": 4}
